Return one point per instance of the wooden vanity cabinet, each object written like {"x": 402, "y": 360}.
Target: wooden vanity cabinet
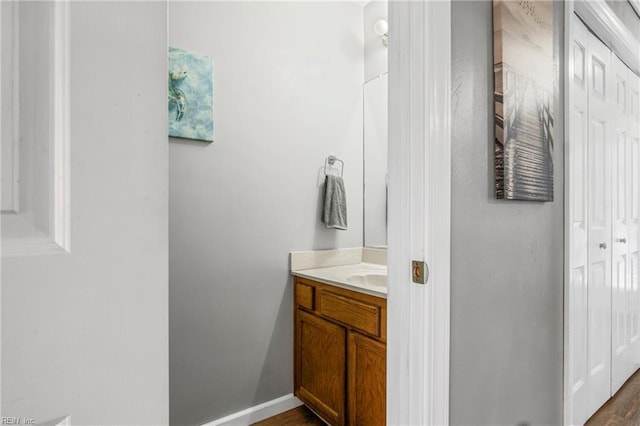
{"x": 367, "y": 392}
{"x": 340, "y": 353}
{"x": 322, "y": 347}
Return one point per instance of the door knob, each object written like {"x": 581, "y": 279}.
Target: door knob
{"x": 603, "y": 246}
{"x": 622, "y": 240}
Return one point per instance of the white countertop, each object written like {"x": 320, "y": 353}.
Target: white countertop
{"x": 338, "y": 276}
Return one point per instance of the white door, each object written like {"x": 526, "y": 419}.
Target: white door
{"x": 633, "y": 239}
{"x": 620, "y": 264}
{"x": 600, "y": 128}
{"x": 84, "y": 333}
{"x": 578, "y": 307}
{"x": 624, "y": 303}
{"x": 604, "y": 155}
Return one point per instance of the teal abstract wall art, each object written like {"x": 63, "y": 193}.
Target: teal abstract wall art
{"x": 190, "y": 95}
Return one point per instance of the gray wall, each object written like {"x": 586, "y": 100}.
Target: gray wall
{"x": 85, "y": 333}
{"x": 287, "y": 93}
{"x": 507, "y": 257}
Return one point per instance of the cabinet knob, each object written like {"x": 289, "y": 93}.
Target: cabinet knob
{"x": 603, "y": 246}
{"x": 622, "y": 240}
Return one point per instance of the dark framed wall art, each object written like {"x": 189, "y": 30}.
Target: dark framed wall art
{"x": 524, "y": 75}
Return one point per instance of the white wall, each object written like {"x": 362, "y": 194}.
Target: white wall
{"x": 287, "y": 93}
{"x": 85, "y": 333}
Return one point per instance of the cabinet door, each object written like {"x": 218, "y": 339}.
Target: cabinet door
{"x": 321, "y": 366}
{"x": 367, "y": 381}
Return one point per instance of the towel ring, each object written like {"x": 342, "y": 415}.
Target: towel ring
{"x": 331, "y": 160}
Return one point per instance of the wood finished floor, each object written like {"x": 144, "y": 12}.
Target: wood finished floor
{"x": 623, "y": 408}
{"x": 300, "y": 416}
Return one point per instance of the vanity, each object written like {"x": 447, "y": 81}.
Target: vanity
{"x": 340, "y": 333}
{"x": 340, "y": 296}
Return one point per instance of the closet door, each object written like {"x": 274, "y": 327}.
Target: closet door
{"x": 604, "y": 232}
{"x": 625, "y": 339}
{"x": 621, "y": 359}
{"x": 578, "y": 211}
{"x": 633, "y": 240}
{"x": 599, "y": 139}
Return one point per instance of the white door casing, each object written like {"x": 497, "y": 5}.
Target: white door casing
{"x": 419, "y": 211}
{"x": 1, "y": 130}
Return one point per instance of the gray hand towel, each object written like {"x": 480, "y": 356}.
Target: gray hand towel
{"x": 334, "y": 215}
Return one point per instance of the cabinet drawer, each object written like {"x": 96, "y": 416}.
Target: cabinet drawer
{"x": 351, "y": 312}
{"x": 305, "y": 295}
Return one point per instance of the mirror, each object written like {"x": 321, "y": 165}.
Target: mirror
{"x": 375, "y": 124}
{"x": 375, "y": 162}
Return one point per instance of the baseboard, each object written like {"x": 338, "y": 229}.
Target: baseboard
{"x": 258, "y": 412}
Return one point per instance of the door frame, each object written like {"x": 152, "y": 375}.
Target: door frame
{"x": 601, "y": 20}
{"x": 419, "y": 212}
{"x": 0, "y": 226}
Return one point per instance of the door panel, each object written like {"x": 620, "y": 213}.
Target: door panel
{"x": 621, "y": 360}
{"x": 633, "y": 219}
{"x": 634, "y": 305}
{"x": 578, "y": 307}
{"x": 600, "y": 96}
{"x": 599, "y": 327}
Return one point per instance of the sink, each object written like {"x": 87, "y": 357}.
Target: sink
{"x": 373, "y": 279}
{"x": 368, "y": 278}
